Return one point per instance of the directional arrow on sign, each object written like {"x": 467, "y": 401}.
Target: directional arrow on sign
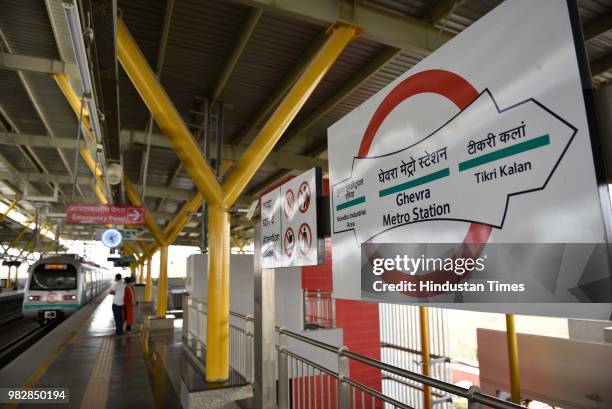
{"x": 467, "y": 170}
{"x": 135, "y": 215}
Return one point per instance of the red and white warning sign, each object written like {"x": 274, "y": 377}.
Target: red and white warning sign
{"x": 289, "y": 241}
{"x": 293, "y": 240}
{"x": 289, "y": 205}
{"x": 304, "y": 196}
{"x": 305, "y": 239}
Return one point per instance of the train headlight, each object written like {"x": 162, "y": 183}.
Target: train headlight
{"x": 34, "y": 298}
{"x": 70, "y": 297}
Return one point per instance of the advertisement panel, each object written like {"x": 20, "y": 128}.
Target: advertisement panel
{"x": 494, "y": 147}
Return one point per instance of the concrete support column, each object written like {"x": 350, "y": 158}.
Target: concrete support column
{"x": 141, "y": 276}
{"x": 162, "y": 282}
{"x": 217, "y": 328}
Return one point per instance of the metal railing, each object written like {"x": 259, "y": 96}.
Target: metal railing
{"x": 241, "y": 336}
{"x": 401, "y": 347}
{"x": 175, "y": 299}
{"x": 303, "y": 383}
{"x": 319, "y": 309}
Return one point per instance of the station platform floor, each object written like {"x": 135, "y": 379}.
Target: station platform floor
{"x": 102, "y": 370}
{"x": 140, "y": 369}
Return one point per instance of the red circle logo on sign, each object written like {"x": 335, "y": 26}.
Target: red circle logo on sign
{"x": 304, "y": 197}
{"x": 305, "y": 239}
{"x": 289, "y": 203}
{"x": 51, "y": 298}
{"x": 459, "y": 91}
{"x": 289, "y": 242}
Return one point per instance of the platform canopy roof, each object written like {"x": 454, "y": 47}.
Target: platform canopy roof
{"x": 244, "y": 53}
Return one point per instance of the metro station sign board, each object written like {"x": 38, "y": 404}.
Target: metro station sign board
{"x": 487, "y": 140}
{"x": 88, "y": 213}
{"x": 289, "y": 228}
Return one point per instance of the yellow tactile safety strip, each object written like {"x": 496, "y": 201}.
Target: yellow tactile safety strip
{"x": 96, "y": 393}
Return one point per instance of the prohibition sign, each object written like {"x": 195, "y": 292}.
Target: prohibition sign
{"x": 459, "y": 91}
{"x": 304, "y": 197}
{"x": 289, "y": 204}
{"x": 305, "y": 239}
{"x": 289, "y": 242}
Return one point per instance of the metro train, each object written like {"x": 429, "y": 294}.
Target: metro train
{"x": 58, "y": 285}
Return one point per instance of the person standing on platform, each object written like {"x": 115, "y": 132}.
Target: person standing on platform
{"x": 118, "y": 292}
{"x": 129, "y": 303}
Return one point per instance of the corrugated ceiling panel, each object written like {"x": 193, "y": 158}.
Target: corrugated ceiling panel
{"x": 26, "y": 26}
{"x": 410, "y": 8}
{"x": 144, "y": 19}
{"x": 53, "y": 105}
{"x": 354, "y": 57}
{"x": 273, "y": 50}
{"x": 17, "y": 105}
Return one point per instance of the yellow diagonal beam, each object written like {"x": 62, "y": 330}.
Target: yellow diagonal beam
{"x": 278, "y": 122}
{"x": 172, "y": 231}
{"x": 166, "y": 115}
{"x": 23, "y": 231}
{"x": 149, "y": 219}
{"x": 75, "y": 103}
{"x": 144, "y": 248}
{"x": 9, "y": 209}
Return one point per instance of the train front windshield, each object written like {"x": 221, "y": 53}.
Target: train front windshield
{"x": 54, "y": 277}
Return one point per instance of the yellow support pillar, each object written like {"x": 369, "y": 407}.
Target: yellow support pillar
{"x": 217, "y": 334}
{"x": 149, "y": 282}
{"x": 162, "y": 282}
{"x": 424, "y": 325}
{"x": 513, "y": 360}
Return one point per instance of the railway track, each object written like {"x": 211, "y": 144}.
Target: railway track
{"x": 18, "y": 345}
{"x": 10, "y": 308}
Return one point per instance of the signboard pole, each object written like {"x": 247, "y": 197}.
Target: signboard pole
{"x": 513, "y": 360}
{"x": 424, "y": 326}
{"x": 265, "y": 356}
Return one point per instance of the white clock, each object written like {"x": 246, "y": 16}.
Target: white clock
{"x": 111, "y": 238}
